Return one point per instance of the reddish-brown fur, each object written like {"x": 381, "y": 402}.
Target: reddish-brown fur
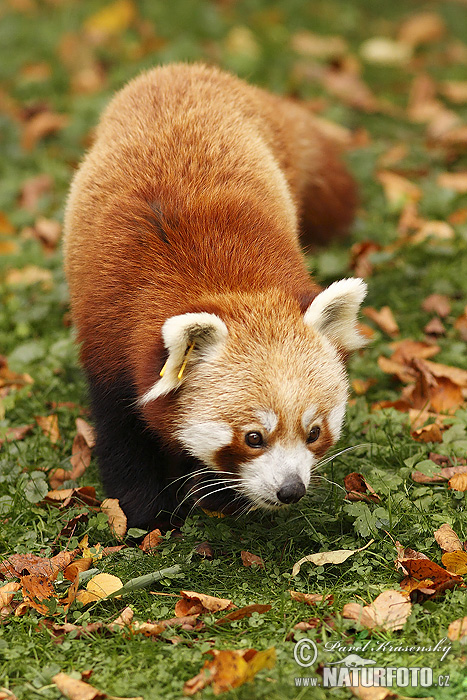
{"x": 210, "y": 187}
{"x": 191, "y": 200}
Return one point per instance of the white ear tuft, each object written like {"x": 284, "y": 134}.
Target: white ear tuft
{"x": 334, "y": 313}
{"x": 206, "y": 331}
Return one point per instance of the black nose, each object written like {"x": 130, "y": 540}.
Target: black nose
{"x": 291, "y": 491}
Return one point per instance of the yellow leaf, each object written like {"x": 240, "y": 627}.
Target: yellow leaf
{"x": 111, "y": 19}
{"x": 99, "y": 587}
{"x": 116, "y": 516}
{"x": 338, "y": 556}
{"x": 455, "y": 562}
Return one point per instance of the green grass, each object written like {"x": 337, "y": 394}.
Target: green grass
{"x": 36, "y": 340}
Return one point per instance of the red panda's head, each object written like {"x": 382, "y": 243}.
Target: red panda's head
{"x": 259, "y": 389}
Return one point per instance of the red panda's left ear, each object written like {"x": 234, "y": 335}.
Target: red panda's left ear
{"x": 333, "y": 313}
{"x": 188, "y": 338}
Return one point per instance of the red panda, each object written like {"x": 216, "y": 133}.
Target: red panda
{"x": 216, "y": 367}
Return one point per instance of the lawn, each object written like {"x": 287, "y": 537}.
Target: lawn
{"x": 392, "y": 88}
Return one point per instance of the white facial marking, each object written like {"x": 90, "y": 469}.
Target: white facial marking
{"x": 308, "y": 416}
{"x": 335, "y": 420}
{"x": 204, "y": 439}
{"x": 263, "y": 477}
{"x": 268, "y": 418}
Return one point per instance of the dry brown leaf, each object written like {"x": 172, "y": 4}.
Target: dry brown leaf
{"x": 422, "y": 28}
{"x": 434, "y": 579}
{"x": 385, "y": 51}
{"x": 65, "y": 498}
{"x": 454, "y": 90}
{"x": 461, "y": 325}
{"x": 337, "y": 556}
{"x": 360, "y": 254}
{"x": 447, "y": 539}
{"x": 458, "y": 482}
{"x": 456, "y": 375}
{"x": 389, "y": 611}
{"x": 358, "y": 489}
{"x": 248, "y": 559}
{"x": 434, "y": 327}
{"x": 383, "y": 318}
{"x": 17, "y": 433}
{"x": 48, "y": 232}
{"x": 7, "y": 592}
{"x": 230, "y": 669}
{"x": 76, "y": 567}
{"x": 307, "y": 43}
{"x": 443, "y": 475}
{"x": 6, "y": 227}
{"x": 116, "y": 516}
{"x": 41, "y": 125}
{"x": 428, "y": 433}
{"x": 246, "y": 611}
{"x": 33, "y": 189}
{"x": 79, "y": 690}
{"x": 438, "y": 304}
{"x": 453, "y": 181}
{"x": 397, "y": 189}
{"x": 16, "y": 564}
{"x": 29, "y": 275}
{"x": 455, "y": 562}
{"x": 49, "y": 426}
{"x": 36, "y": 588}
{"x": 433, "y": 229}
{"x": 193, "y": 603}
{"x": 310, "y": 598}
{"x": 406, "y": 350}
{"x": 457, "y": 630}
{"x": 151, "y": 541}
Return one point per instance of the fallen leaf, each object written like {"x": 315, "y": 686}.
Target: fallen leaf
{"x": 151, "y": 541}
{"x": 361, "y": 386}
{"x": 434, "y": 327}
{"x": 455, "y": 562}
{"x": 397, "y": 189}
{"x": 438, "y": 304}
{"x": 16, "y": 564}
{"x": 457, "y": 630}
{"x": 17, "y": 433}
{"x": 458, "y": 482}
{"x": 230, "y": 669}
{"x": 79, "y": 690}
{"x": 116, "y": 516}
{"x": 86, "y": 430}
{"x": 65, "y": 498}
{"x": 41, "y": 125}
{"x": 422, "y": 28}
{"x": 454, "y": 90}
{"x": 428, "y": 433}
{"x": 358, "y": 489}
{"x": 307, "y": 43}
{"x": 447, "y": 539}
{"x": 389, "y": 611}
{"x": 6, "y": 227}
{"x": 383, "y": 51}
{"x": 98, "y": 588}
{"x": 37, "y": 588}
{"x": 248, "y": 559}
{"x": 433, "y": 229}
{"x": 406, "y": 350}
{"x": 48, "y": 232}
{"x": 246, "y": 611}
{"x": 49, "y": 426}
{"x": 7, "y": 592}
{"x": 33, "y": 190}
{"x": 29, "y": 275}
{"x": 76, "y": 567}
{"x": 453, "y": 181}
{"x": 383, "y": 318}
{"x": 310, "y": 598}
{"x": 337, "y": 556}
{"x": 111, "y": 20}
{"x": 443, "y": 475}
{"x": 193, "y": 603}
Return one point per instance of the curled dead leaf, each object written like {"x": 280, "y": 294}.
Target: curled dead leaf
{"x": 447, "y": 539}
{"x": 383, "y": 318}
{"x": 193, "y": 603}
{"x": 337, "y": 556}
{"x": 248, "y": 559}
{"x": 116, "y": 516}
{"x": 389, "y": 611}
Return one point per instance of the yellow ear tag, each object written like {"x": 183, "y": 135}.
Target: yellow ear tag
{"x": 187, "y": 355}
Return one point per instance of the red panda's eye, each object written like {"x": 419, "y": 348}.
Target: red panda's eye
{"x": 314, "y": 433}
{"x": 254, "y": 439}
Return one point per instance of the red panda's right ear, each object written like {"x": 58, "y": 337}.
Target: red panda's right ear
{"x": 188, "y": 338}
{"x": 333, "y": 313}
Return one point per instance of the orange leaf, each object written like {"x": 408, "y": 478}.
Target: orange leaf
{"x": 458, "y": 482}
{"x": 193, "y": 603}
{"x": 49, "y": 426}
{"x": 248, "y": 559}
{"x": 455, "y": 562}
{"x": 383, "y": 318}
{"x": 151, "y": 541}
{"x": 429, "y": 433}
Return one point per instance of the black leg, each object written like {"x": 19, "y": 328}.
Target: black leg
{"x": 134, "y": 466}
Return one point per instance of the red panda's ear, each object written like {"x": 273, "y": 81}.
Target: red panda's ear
{"x": 188, "y": 338}
{"x": 333, "y": 313}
